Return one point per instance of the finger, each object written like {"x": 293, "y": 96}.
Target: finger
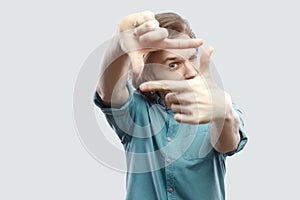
{"x": 182, "y": 109}
{"x": 164, "y": 85}
{"x": 142, "y": 17}
{"x": 181, "y": 98}
{"x": 205, "y": 59}
{"x": 158, "y": 39}
{"x": 137, "y": 62}
{"x": 134, "y": 20}
{"x": 182, "y": 43}
{"x": 151, "y": 39}
{"x": 190, "y": 119}
{"x": 186, "y": 118}
{"x": 146, "y": 27}
{"x": 171, "y": 98}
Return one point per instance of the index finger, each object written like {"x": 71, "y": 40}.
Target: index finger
{"x": 164, "y": 85}
{"x": 181, "y": 43}
{"x": 158, "y": 39}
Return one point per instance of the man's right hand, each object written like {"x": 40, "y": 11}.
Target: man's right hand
{"x": 140, "y": 33}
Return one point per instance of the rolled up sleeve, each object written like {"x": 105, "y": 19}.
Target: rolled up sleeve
{"x": 244, "y": 137}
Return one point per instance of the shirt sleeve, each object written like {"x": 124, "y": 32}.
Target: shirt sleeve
{"x": 125, "y": 119}
{"x": 113, "y": 115}
{"x": 244, "y": 137}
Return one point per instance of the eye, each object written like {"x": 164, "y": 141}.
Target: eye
{"x": 173, "y": 65}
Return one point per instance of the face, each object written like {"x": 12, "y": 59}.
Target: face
{"x": 173, "y": 64}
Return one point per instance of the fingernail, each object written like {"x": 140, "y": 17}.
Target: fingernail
{"x": 143, "y": 87}
{"x": 200, "y": 41}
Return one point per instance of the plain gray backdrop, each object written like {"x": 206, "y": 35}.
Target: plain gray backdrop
{"x": 43, "y": 45}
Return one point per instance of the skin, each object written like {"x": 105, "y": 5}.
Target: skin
{"x": 138, "y": 34}
{"x": 187, "y": 89}
{"x": 191, "y": 92}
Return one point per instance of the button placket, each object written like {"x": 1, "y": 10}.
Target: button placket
{"x": 170, "y": 180}
{"x": 169, "y": 160}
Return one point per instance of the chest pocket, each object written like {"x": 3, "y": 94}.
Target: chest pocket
{"x": 196, "y": 143}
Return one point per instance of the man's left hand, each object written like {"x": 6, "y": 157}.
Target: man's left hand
{"x": 196, "y": 101}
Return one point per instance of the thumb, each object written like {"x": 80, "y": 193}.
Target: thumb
{"x": 137, "y": 61}
{"x": 205, "y": 60}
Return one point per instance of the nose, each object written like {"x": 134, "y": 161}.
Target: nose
{"x": 189, "y": 70}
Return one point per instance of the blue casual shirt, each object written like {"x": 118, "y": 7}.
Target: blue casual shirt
{"x": 167, "y": 159}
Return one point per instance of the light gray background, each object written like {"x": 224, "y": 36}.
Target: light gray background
{"x": 44, "y": 43}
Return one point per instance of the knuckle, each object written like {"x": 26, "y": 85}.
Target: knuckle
{"x": 147, "y": 14}
{"x": 198, "y": 100}
{"x": 155, "y": 23}
{"x": 173, "y": 107}
{"x": 168, "y": 97}
{"x": 145, "y": 39}
{"x": 152, "y": 24}
{"x": 195, "y": 121}
{"x": 164, "y": 87}
{"x": 149, "y": 24}
{"x": 164, "y": 32}
{"x": 195, "y": 99}
{"x": 189, "y": 111}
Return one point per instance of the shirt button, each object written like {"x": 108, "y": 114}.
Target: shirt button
{"x": 169, "y": 139}
{"x": 169, "y": 160}
{"x": 170, "y": 190}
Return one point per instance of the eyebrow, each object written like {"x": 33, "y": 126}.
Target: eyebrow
{"x": 193, "y": 56}
{"x": 169, "y": 59}
{"x": 179, "y": 58}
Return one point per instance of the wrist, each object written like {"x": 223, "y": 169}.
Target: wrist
{"x": 229, "y": 110}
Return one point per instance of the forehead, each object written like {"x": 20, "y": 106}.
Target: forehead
{"x": 180, "y": 53}
{"x": 161, "y": 55}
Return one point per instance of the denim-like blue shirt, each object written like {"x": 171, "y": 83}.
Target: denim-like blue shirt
{"x": 167, "y": 159}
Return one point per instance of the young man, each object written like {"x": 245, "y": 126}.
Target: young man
{"x": 177, "y": 126}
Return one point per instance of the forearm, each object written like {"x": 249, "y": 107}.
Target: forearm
{"x": 113, "y": 75}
